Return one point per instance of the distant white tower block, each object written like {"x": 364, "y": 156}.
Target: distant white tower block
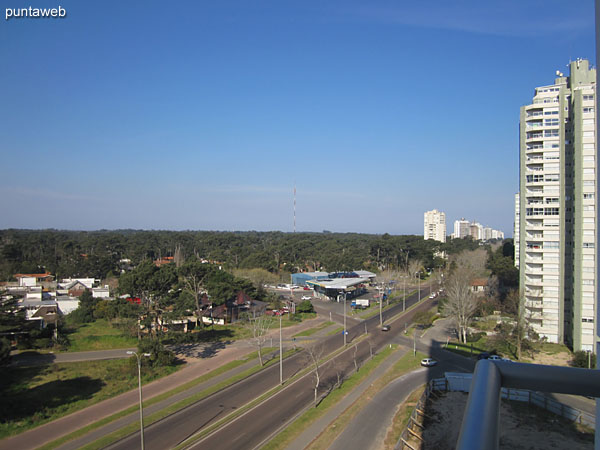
{"x": 435, "y": 225}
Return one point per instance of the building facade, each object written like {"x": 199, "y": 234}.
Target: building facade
{"x": 461, "y": 228}
{"x": 556, "y": 211}
{"x": 435, "y": 225}
{"x": 516, "y": 228}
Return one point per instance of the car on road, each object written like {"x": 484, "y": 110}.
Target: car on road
{"x": 483, "y": 355}
{"x": 494, "y": 358}
{"x": 306, "y": 297}
{"x": 385, "y": 328}
{"x": 428, "y": 362}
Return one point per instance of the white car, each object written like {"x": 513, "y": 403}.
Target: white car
{"x": 306, "y": 297}
{"x": 495, "y": 358}
{"x": 428, "y": 362}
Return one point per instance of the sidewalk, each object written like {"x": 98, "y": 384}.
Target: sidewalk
{"x": 195, "y": 367}
{"x": 317, "y": 427}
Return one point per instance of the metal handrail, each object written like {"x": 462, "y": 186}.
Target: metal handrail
{"x": 479, "y": 428}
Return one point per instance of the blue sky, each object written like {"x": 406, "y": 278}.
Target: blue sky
{"x": 202, "y": 115}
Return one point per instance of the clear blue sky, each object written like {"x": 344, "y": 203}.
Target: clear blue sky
{"x": 201, "y": 115}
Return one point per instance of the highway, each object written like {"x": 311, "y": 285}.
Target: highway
{"x": 258, "y": 424}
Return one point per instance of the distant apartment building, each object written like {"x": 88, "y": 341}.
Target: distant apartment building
{"x": 461, "y": 228}
{"x": 435, "y": 225}
{"x": 556, "y": 208}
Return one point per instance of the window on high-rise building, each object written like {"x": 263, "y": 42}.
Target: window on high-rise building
{"x": 588, "y": 97}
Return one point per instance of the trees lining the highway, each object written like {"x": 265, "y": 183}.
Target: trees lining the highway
{"x": 315, "y": 354}
{"x": 259, "y": 326}
{"x": 460, "y": 302}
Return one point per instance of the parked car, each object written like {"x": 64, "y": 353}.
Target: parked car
{"x": 306, "y": 288}
{"x": 428, "y": 362}
{"x": 507, "y": 360}
{"x": 306, "y": 297}
{"x": 385, "y": 328}
{"x": 483, "y": 355}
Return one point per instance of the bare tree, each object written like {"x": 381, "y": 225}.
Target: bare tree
{"x": 178, "y": 257}
{"x": 476, "y": 260}
{"x": 522, "y": 333}
{"x": 260, "y": 327}
{"x": 338, "y": 367}
{"x": 354, "y": 357}
{"x": 315, "y": 354}
{"x": 414, "y": 266}
{"x": 370, "y": 347}
{"x": 460, "y": 303}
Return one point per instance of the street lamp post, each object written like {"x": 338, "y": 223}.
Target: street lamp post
{"x": 404, "y": 296}
{"x": 381, "y": 307}
{"x": 140, "y": 392}
{"x": 344, "y": 294}
{"x": 280, "y": 354}
{"x": 419, "y": 277}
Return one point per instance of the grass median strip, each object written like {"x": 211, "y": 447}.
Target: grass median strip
{"x": 314, "y": 330}
{"x": 214, "y": 373}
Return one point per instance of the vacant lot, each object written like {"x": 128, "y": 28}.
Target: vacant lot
{"x": 521, "y": 426}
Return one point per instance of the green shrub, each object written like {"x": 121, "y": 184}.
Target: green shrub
{"x": 474, "y": 337}
{"x": 580, "y": 359}
{"x": 305, "y": 307}
{"x": 159, "y": 355}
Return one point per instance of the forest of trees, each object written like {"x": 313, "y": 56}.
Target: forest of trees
{"x": 97, "y": 253}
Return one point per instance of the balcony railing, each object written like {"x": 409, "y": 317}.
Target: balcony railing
{"x": 479, "y": 428}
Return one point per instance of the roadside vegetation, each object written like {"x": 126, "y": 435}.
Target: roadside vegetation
{"x": 32, "y": 396}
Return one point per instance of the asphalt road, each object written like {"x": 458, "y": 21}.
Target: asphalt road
{"x": 258, "y": 424}
{"x": 368, "y": 428}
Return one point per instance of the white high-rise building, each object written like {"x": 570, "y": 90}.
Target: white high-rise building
{"x": 461, "y": 228}
{"x": 556, "y": 210}
{"x": 435, "y": 225}
{"x": 516, "y": 230}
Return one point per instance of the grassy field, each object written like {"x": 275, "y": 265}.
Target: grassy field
{"x": 98, "y": 335}
{"x": 32, "y": 396}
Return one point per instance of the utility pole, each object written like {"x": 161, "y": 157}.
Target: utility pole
{"x": 366, "y": 327}
{"x": 381, "y": 309}
{"x": 419, "y": 275}
{"x": 280, "y": 353}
